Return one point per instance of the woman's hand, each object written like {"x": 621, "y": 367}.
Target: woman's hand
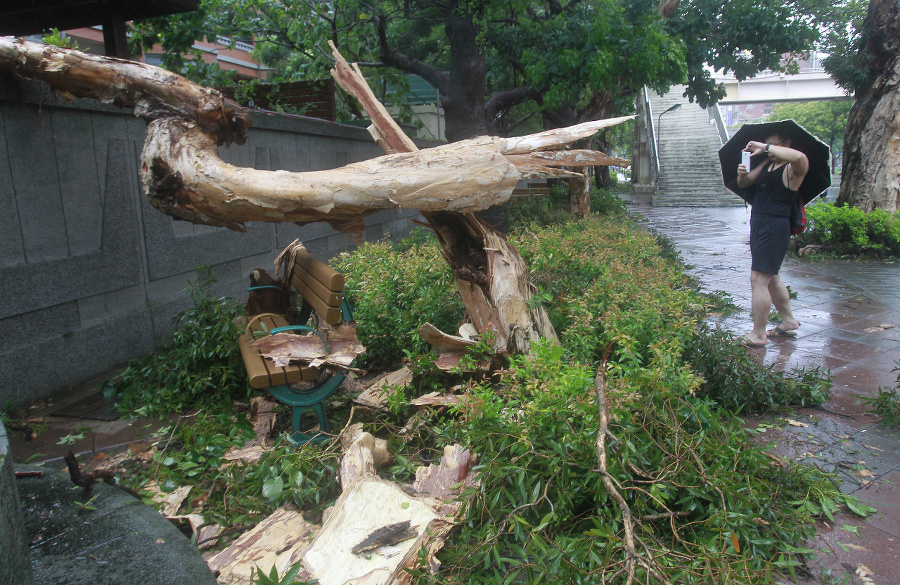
{"x": 754, "y": 147}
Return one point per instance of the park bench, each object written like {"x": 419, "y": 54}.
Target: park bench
{"x": 321, "y": 290}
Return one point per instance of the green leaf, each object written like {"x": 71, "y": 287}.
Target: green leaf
{"x": 272, "y": 487}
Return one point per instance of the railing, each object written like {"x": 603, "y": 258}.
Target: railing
{"x": 715, "y": 114}
{"x": 651, "y": 135}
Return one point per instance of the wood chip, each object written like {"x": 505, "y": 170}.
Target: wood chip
{"x": 280, "y": 541}
{"x": 376, "y": 393}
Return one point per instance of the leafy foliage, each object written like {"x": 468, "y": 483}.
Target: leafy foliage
{"x": 710, "y": 508}
{"x": 736, "y": 381}
{"x": 190, "y": 453}
{"x": 886, "y": 402}
{"x": 850, "y": 230}
{"x": 844, "y": 41}
{"x": 198, "y": 368}
{"x": 394, "y": 291}
{"x": 495, "y": 64}
{"x": 825, "y": 119}
{"x": 744, "y": 38}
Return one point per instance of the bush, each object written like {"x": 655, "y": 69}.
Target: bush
{"x": 396, "y": 289}
{"x": 541, "y": 513}
{"x": 849, "y": 230}
{"x": 199, "y": 368}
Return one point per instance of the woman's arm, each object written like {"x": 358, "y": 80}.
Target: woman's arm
{"x": 798, "y": 163}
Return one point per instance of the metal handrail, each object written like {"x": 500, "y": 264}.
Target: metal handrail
{"x": 651, "y": 134}
{"x": 716, "y": 114}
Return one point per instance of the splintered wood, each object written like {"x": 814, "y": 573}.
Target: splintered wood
{"x": 278, "y": 541}
{"x": 375, "y": 394}
{"x": 285, "y": 348}
{"x": 375, "y": 529}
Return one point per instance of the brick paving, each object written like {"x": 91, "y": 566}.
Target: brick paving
{"x": 850, "y": 325}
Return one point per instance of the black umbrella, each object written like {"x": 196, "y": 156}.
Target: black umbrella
{"x": 817, "y": 180}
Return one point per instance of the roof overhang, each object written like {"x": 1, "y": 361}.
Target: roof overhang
{"x": 31, "y": 17}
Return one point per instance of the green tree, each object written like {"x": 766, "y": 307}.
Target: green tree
{"x": 845, "y": 43}
{"x": 825, "y": 119}
{"x": 501, "y": 65}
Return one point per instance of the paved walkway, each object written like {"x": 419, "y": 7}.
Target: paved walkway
{"x": 850, "y": 325}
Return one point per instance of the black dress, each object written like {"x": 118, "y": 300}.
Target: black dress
{"x": 770, "y": 220}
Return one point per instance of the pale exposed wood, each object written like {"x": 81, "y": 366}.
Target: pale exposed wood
{"x": 437, "y": 399}
{"x": 450, "y": 348}
{"x": 369, "y": 504}
{"x": 152, "y": 91}
{"x": 280, "y": 541}
{"x": 375, "y": 394}
{"x": 351, "y": 79}
{"x": 566, "y": 158}
{"x": 557, "y": 138}
{"x": 182, "y": 175}
{"x": 359, "y": 459}
{"x": 286, "y": 348}
{"x": 379, "y": 447}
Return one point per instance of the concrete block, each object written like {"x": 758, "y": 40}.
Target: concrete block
{"x": 79, "y": 185}
{"x": 264, "y": 261}
{"x": 16, "y": 565}
{"x": 105, "y": 307}
{"x": 25, "y": 329}
{"x": 78, "y": 355}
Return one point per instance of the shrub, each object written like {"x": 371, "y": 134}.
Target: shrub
{"x": 708, "y": 507}
{"x": 849, "y": 230}
{"x": 199, "y": 368}
{"x": 396, "y": 289}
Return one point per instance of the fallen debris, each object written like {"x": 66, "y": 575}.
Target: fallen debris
{"x": 882, "y": 327}
{"x": 278, "y": 541}
{"x": 386, "y": 536}
{"x": 362, "y": 454}
{"x": 437, "y": 399}
{"x": 450, "y": 348}
{"x": 284, "y": 348}
{"x": 376, "y": 393}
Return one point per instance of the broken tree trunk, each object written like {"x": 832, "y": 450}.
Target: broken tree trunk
{"x": 183, "y": 176}
{"x": 491, "y": 276}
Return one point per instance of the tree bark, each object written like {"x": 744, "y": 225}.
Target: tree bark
{"x": 871, "y": 175}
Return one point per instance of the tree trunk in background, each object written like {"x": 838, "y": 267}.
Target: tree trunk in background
{"x": 871, "y": 176}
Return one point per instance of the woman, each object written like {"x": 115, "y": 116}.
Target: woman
{"x": 774, "y": 183}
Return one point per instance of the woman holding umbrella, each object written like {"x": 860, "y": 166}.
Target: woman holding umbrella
{"x": 774, "y": 184}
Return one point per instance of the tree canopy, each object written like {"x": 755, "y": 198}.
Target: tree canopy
{"x": 501, "y": 65}
{"x": 825, "y": 119}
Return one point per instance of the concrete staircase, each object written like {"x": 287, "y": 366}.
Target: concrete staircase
{"x": 689, "y": 173}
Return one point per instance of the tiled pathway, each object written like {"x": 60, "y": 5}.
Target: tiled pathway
{"x": 842, "y": 307}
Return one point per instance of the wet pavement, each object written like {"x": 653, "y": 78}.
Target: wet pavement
{"x": 850, "y": 325}
{"x": 849, "y": 314}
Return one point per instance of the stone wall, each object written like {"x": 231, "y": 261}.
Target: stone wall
{"x": 90, "y": 274}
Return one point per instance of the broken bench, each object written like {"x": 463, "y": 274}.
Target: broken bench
{"x": 300, "y": 386}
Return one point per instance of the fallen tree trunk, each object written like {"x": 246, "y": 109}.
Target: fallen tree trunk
{"x": 183, "y": 176}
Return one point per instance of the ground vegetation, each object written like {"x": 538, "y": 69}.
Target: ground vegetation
{"x": 676, "y": 493}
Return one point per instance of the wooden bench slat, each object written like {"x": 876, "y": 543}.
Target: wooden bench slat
{"x": 264, "y": 373}
{"x": 314, "y": 291}
{"x": 320, "y": 271}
